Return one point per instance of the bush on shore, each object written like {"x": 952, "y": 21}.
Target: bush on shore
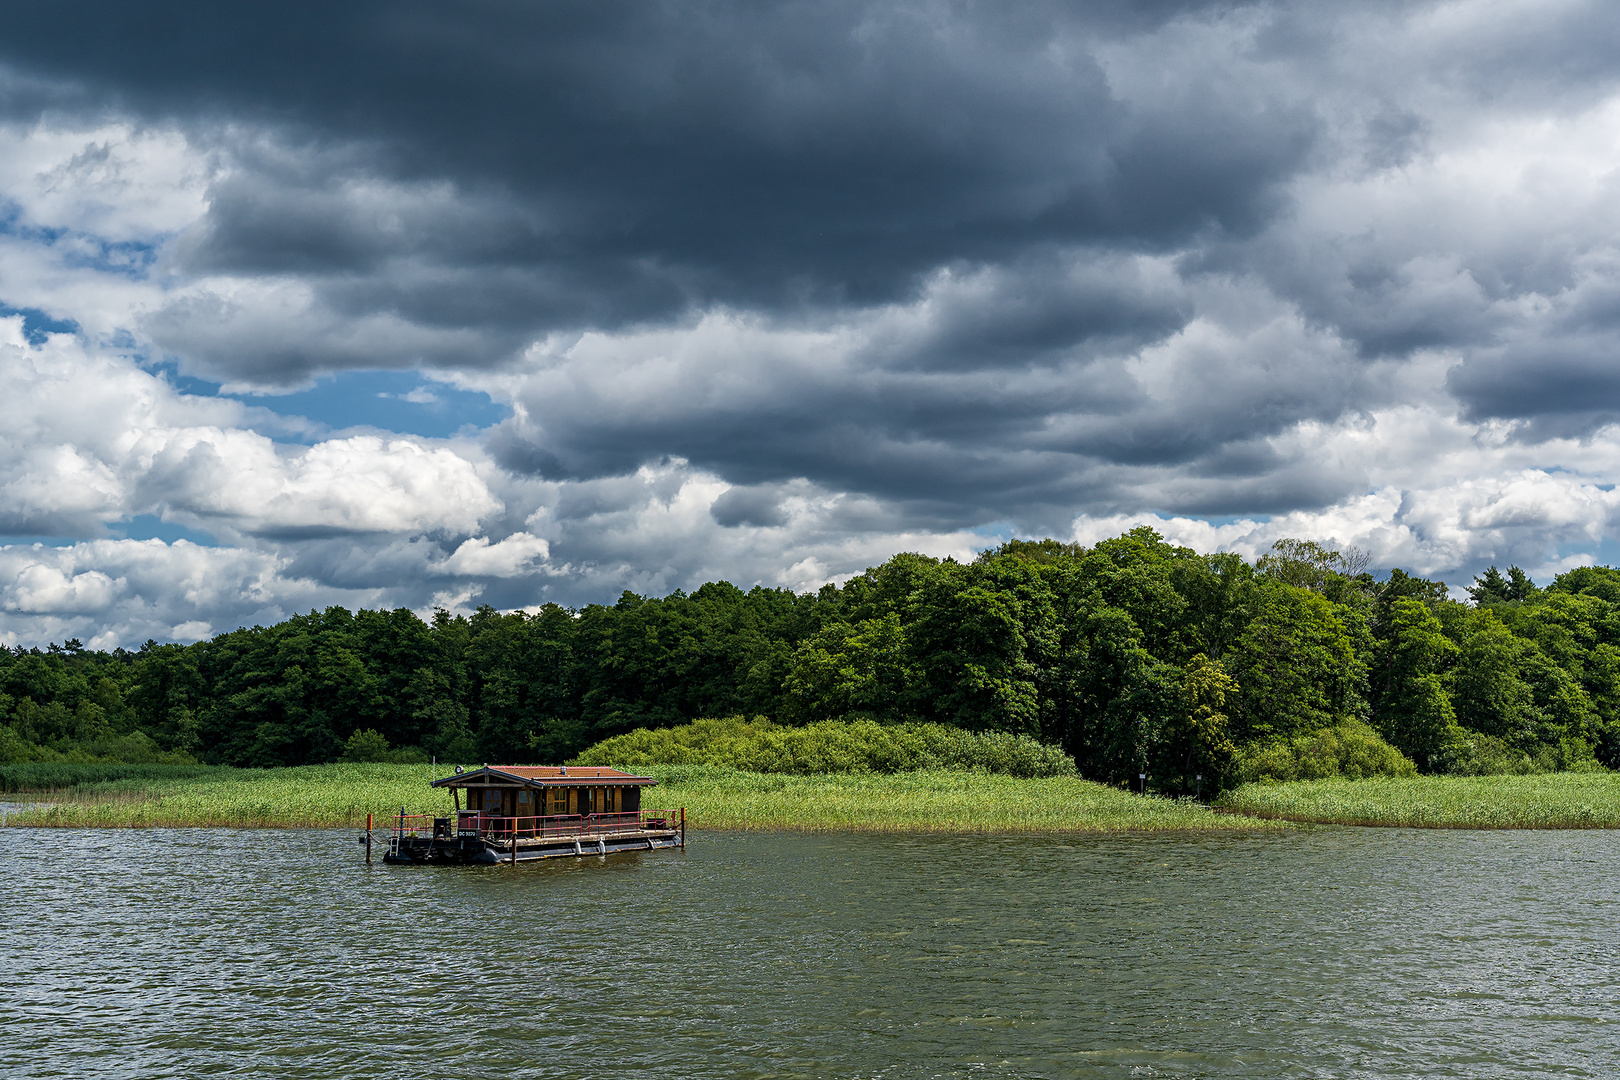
{"x": 1473, "y": 753}
{"x": 1350, "y": 750}
{"x": 134, "y": 748}
{"x": 831, "y": 746}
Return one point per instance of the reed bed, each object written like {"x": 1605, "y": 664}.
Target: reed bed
{"x": 307, "y": 796}
{"x": 1545, "y": 801}
{"x": 923, "y": 801}
{"x": 714, "y": 797}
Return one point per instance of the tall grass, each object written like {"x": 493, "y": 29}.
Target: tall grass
{"x": 922, "y": 801}
{"x": 1546, "y": 801}
{"x": 310, "y": 795}
{"x": 714, "y": 797}
{"x": 831, "y": 746}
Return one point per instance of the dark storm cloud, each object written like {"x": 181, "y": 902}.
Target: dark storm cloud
{"x": 749, "y": 506}
{"x": 1558, "y": 370}
{"x": 970, "y": 261}
{"x": 614, "y": 163}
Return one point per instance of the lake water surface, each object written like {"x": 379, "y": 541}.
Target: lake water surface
{"x": 1334, "y": 953}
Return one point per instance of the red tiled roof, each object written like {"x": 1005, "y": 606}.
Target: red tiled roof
{"x": 549, "y": 776}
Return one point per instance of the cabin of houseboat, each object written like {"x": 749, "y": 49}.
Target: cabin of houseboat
{"x": 514, "y": 813}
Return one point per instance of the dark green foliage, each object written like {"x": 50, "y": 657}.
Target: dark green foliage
{"x": 1492, "y": 588}
{"x": 1297, "y": 664}
{"x": 1133, "y": 656}
{"x": 1415, "y": 713}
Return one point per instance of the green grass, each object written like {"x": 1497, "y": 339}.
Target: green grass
{"x": 1546, "y": 801}
{"x": 924, "y": 801}
{"x": 310, "y": 795}
{"x": 714, "y": 797}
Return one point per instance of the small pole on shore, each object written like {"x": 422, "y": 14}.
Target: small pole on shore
{"x": 368, "y": 839}
{"x": 1143, "y": 778}
{"x": 1198, "y": 791}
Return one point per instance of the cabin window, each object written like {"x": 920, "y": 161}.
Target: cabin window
{"x": 523, "y": 808}
{"x": 609, "y": 803}
{"x": 492, "y": 800}
{"x": 559, "y": 801}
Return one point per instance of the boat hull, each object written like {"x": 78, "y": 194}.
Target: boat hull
{"x": 467, "y": 850}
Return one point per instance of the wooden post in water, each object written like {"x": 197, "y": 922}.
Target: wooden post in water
{"x": 368, "y": 839}
{"x": 683, "y": 828}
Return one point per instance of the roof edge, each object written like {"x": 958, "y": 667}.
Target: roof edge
{"x": 580, "y": 779}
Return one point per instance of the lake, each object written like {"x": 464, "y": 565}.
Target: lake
{"x": 1332, "y": 953}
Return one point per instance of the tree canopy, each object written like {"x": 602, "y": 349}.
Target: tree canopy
{"x": 1134, "y": 656}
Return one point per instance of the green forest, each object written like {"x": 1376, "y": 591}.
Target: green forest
{"x": 1133, "y": 656}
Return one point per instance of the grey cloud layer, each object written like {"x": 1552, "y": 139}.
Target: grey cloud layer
{"x": 791, "y": 282}
{"x": 616, "y": 163}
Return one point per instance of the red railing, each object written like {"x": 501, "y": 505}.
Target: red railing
{"x": 561, "y": 826}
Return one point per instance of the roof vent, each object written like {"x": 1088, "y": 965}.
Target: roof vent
{"x": 458, "y": 770}
{"x": 565, "y": 770}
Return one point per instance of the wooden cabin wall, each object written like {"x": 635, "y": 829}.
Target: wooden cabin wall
{"x": 556, "y": 800}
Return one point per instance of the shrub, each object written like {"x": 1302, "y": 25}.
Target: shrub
{"x": 368, "y": 745}
{"x": 1349, "y": 749}
{"x": 15, "y": 750}
{"x": 1474, "y": 753}
{"x": 831, "y": 746}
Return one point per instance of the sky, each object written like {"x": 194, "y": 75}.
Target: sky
{"x": 411, "y": 304}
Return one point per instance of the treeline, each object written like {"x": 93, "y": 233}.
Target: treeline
{"x": 1134, "y": 656}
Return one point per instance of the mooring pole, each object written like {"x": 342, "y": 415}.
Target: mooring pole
{"x": 368, "y": 839}
{"x": 683, "y": 827}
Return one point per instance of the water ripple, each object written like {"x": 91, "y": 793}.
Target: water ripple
{"x": 1343, "y": 952}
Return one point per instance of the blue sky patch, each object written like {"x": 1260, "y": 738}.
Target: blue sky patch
{"x": 152, "y": 527}
{"x": 399, "y": 401}
{"x": 37, "y": 324}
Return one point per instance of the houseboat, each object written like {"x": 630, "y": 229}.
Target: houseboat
{"x": 516, "y": 813}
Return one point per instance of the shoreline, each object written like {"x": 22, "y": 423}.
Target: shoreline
{"x": 924, "y": 802}
{"x": 939, "y": 802}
